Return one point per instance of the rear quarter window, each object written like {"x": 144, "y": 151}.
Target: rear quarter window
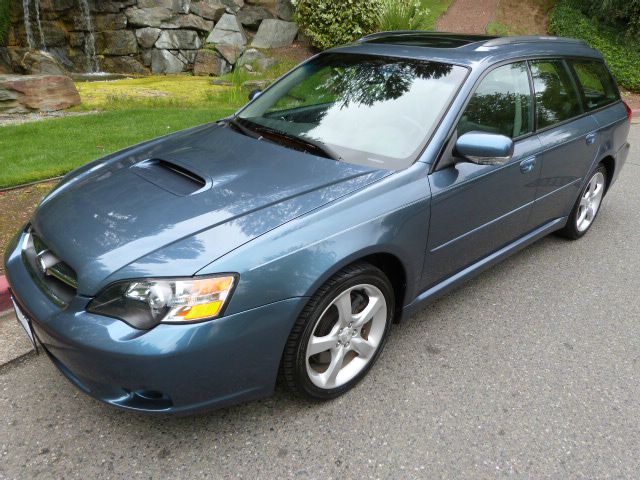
{"x": 598, "y": 87}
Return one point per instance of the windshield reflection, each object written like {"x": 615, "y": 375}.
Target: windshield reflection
{"x": 371, "y": 110}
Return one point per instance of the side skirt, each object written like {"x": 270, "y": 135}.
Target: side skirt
{"x": 474, "y": 269}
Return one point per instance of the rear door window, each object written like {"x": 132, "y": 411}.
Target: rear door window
{"x": 557, "y": 98}
{"x": 598, "y": 87}
{"x": 501, "y": 103}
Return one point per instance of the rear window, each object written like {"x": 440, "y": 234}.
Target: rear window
{"x": 557, "y": 98}
{"x": 598, "y": 87}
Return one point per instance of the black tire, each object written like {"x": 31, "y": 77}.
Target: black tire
{"x": 571, "y": 230}
{"x": 294, "y": 361}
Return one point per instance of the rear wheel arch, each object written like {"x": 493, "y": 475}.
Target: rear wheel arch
{"x": 609, "y": 164}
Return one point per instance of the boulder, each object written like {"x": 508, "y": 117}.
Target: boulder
{"x": 164, "y": 61}
{"x": 55, "y": 35}
{"x": 228, "y": 31}
{"x": 190, "y": 21}
{"x": 188, "y": 57}
{"x": 148, "y": 17}
{"x": 39, "y": 62}
{"x": 209, "y": 62}
{"x": 5, "y": 60}
{"x": 76, "y": 39}
{"x": 250, "y": 56}
{"x": 129, "y": 65}
{"x": 251, "y": 16}
{"x": 265, "y": 64}
{"x": 109, "y": 21}
{"x": 116, "y": 42}
{"x": 209, "y": 9}
{"x": 147, "y": 36}
{"x": 56, "y": 5}
{"x": 180, "y": 6}
{"x": 284, "y": 10}
{"x": 229, "y": 52}
{"x": 146, "y": 57}
{"x": 233, "y": 5}
{"x": 102, "y": 6}
{"x": 29, "y": 93}
{"x": 255, "y": 84}
{"x": 275, "y": 33}
{"x": 178, "y": 39}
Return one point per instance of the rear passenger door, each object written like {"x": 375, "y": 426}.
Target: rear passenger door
{"x": 569, "y": 139}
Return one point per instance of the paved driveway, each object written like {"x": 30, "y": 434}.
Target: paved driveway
{"x": 530, "y": 370}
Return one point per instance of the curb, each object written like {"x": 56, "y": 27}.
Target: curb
{"x": 5, "y": 298}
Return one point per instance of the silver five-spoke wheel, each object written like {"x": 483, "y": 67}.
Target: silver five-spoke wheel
{"x": 346, "y": 336}
{"x": 590, "y": 202}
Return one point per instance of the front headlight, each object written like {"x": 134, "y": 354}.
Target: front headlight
{"x": 145, "y": 303}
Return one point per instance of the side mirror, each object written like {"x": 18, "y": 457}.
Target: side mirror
{"x": 254, "y": 94}
{"x": 484, "y": 148}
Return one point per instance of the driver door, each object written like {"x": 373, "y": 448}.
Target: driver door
{"x": 477, "y": 209}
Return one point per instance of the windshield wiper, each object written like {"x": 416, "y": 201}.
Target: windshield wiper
{"x": 244, "y": 130}
{"x": 316, "y": 145}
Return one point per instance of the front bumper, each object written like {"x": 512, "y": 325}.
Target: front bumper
{"x": 170, "y": 368}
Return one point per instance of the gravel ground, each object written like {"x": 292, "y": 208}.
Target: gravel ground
{"x": 468, "y": 16}
{"x": 530, "y": 370}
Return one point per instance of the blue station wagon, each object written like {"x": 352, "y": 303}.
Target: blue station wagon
{"x": 194, "y": 270}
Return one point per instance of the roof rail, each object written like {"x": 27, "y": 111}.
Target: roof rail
{"x": 499, "y": 41}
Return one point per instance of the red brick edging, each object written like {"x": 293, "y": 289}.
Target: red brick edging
{"x": 5, "y": 299}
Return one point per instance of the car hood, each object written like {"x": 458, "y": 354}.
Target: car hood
{"x": 182, "y": 201}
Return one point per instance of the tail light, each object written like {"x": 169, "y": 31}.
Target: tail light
{"x": 629, "y": 111}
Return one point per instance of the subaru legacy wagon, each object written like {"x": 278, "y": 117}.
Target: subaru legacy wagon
{"x": 194, "y": 270}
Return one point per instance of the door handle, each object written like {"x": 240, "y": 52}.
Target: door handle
{"x": 591, "y": 138}
{"x": 528, "y": 165}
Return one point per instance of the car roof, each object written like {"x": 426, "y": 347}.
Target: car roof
{"x": 467, "y": 50}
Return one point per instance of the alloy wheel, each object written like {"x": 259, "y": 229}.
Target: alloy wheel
{"x": 590, "y": 202}
{"x": 346, "y": 336}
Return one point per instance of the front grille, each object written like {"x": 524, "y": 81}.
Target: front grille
{"x": 54, "y": 277}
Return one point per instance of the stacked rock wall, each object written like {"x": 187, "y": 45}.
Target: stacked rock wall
{"x": 142, "y": 36}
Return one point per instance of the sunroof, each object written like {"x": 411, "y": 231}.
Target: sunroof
{"x": 430, "y": 40}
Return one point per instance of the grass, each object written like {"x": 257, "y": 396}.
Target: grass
{"x": 45, "y": 149}
{"x": 129, "y": 112}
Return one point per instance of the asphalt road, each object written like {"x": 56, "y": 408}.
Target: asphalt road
{"x": 531, "y": 370}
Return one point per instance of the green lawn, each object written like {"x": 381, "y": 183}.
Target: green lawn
{"x": 48, "y": 148}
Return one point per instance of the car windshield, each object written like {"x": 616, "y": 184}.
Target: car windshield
{"x": 362, "y": 109}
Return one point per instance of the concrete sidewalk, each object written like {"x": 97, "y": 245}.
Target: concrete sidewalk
{"x": 14, "y": 342}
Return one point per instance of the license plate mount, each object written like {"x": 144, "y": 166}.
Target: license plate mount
{"x": 26, "y": 324}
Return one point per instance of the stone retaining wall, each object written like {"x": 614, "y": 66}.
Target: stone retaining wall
{"x": 142, "y": 36}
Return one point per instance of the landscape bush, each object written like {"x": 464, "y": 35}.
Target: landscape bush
{"x": 5, "y": 19}
{"x": 402, "y": 15}
{"x": 621, "y": 14}
{"x": 328, "y": 23}
{"x": 620, "y": 51}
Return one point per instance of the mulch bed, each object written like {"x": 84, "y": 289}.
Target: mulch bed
{"x": 16, "y": 207}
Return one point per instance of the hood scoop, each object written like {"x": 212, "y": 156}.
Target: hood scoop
{"x": 170, "y": 176}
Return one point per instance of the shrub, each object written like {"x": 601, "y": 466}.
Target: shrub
{"x": 621, "y": 53}
{"x": 5, "y": 20}
{"x": 328, "y": 23}
{"x": 622, "y": 14}
{"x": 402, "y": 15}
